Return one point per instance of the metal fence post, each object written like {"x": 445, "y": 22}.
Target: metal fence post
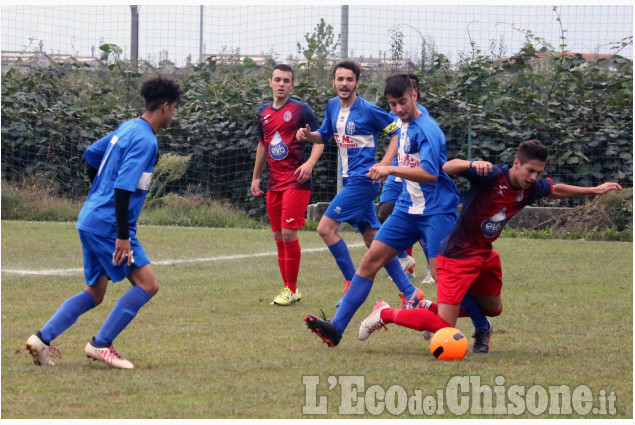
{"x": 134, "y": 36}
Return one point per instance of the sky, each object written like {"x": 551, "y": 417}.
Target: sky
{"x": 174, "y": 32}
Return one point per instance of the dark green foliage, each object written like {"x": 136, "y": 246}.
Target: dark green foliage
{"x": 582, "y": 110}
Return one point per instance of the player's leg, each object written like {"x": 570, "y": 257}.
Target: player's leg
{"x": 67, "y": 314}
{"x": 144, "y": 287}
{"x": 398, "y": 232}
{"x": 274, "y": 213}
{"x": 483, "y": 299}
{"x": 436, "y": 229}
{"x": 331, "y": 332}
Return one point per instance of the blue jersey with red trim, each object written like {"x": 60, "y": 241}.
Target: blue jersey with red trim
{"x": 355, "y": 130}
{"x": 489, "y": 204}
{"x": 422, "y": 144}
{"x": 276, "y": 131}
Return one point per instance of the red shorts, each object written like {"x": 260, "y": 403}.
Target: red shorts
{"x": 482, "y": 276}
{"x": 287, "y": 208}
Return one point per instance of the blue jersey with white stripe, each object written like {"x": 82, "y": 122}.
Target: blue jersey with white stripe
{"x": 395, "y": 161}
{"x": 125, "y": 160}
{"x": 355, "y": 130}
{"x": 422, "y": 144}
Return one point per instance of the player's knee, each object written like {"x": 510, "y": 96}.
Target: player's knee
{"x": 152, "y": 288}
{"x": 494, "y": 314}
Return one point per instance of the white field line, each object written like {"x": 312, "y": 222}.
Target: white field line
{"x": 66, "y": 272}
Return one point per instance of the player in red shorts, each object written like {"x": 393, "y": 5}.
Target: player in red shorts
{"x": 469, "y": 270}
{"x": 289, "y": 183}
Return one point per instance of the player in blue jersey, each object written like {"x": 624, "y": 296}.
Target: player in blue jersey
{"x": 390, "y": 193}
{"x": 469, "y": 270}
{"x": 429, "y": 197}
{"x": 289, "y": 182}
{"x": 120, "y": 167}
{"x": 354, "y": 123}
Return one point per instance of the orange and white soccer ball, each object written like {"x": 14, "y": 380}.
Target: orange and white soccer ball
{"x": 448, "y": 344}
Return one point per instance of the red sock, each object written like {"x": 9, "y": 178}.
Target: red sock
{"x": 419, "y": 319}
{"x": 409, "y": 251}
{"x": 434, "y": 307}
{"x": 292, "y": 263}
{"x": 281, "y": 261}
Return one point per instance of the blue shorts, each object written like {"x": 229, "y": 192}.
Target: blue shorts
{"x": 401, "y": 230}
{"x": 355, "y": 204}
{"x": 98, "y": 252}
{"x": 391, "y": 190}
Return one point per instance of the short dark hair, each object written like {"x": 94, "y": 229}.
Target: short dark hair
{"x": 158, "y": 90}
{"x": 414, "y": 79}
{"x": 348, "y": 64}
{"x": 532, "y": 149}
{"x": 397, "y": 85}
{"x": 285, "y": 68}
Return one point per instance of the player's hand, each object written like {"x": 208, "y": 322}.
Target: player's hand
{"x": 379, "y": 172}
{"x": 122, "y": 252}
{"x": 606, "y": 187}
{"x": 255, "y": 187}
{"x": 304, "y": 172}
{"x": 303, "y": 133}
{"x": 482, "y": 168}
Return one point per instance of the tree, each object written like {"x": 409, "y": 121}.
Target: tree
{"x": 321, "y": 48}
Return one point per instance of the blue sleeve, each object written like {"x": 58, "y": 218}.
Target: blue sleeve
{"x": 382, "y": 121}
{"x": 139, "y": 156}
{"x": 326, "y": 130}
{"x": 95, "y": 152}
{"x": 542, "y": 188}
{"x": 309, "y": 117}
{"x": 430, "y": 152}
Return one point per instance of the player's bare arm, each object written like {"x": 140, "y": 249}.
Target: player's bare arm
{"x": 416, "y": 174}
{"x": 456, "y": 167}
{"x": 305, "y": 170}
{"x": 569, "y": 191}
{"x": 261, "y": 158}
{"x": 305, "y": 134}
{"x": 391, "y": 151}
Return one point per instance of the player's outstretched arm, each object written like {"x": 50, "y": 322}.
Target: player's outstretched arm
{"x": 569, "y": 191}
{"x": 457, "y": 167}
{"x": 304, "y": 134}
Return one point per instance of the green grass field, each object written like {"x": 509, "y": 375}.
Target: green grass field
{"x": 209, "y": 345}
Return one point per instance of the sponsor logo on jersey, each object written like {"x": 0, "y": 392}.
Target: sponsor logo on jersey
{"x": 265, "y": 118}
{"x": 277, "y": 148}
{"x": 350, "y": 127}
{"x": 408, "y": 161}
{"x": 287, "y": 116}
{"x": 344, "y": 141}
{"x": 337, "y": 210}
{"x": 493, "y": 225}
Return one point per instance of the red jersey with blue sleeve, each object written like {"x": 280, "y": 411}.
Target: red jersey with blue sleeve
{"x": 125, "y": 160}
{"x": 355, "y": 130}
{"x": 422, "y": 144}
{"x": 489, "y": 204}
{"x": 276, "y": 131}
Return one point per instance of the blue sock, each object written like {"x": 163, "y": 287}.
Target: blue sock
{"x": 399, "y": 277}
{"x": 353, "y": 299}
{"x": 343, "y": 259}
{"x": 402, "y": 254}
{"x": 66, "y": 315}
{"x": 125, "y": 310}
{"x": 470, "y": 305}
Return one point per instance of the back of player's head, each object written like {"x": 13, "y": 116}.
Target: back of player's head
{"x": 158, "y": 90}
{"x": 532, "y": 149}
{"x": 285, "y": 68}
{"x": 414, "y": 79}
{"x": 348, "y": 64}
{"x": 397, "y": 85}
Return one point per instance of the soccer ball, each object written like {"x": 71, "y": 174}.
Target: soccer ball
{"x": 448, "y": 344}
